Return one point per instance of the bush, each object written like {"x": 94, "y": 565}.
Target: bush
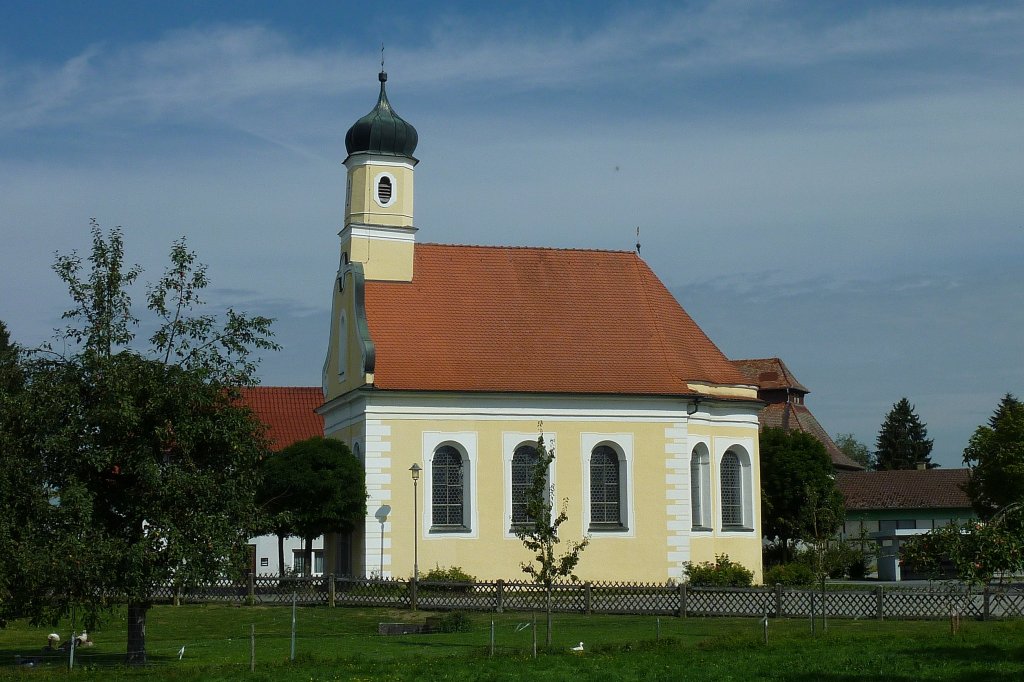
{"x": 793, "y": 574}
{"x": 447, "y": 575}
{"x": 722, "y": 573}
{"x": 454, "y": 621}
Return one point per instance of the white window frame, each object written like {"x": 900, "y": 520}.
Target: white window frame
{"x": 705, "y": 523}
{"x": 622, "y": 444}
{"x": 509, "y": 442}
{"x": 394, "y": 189}
{"x": 466, "y": 443}
{"x": 742, "y": 448}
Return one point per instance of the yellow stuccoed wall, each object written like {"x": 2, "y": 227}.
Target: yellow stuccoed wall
{"x": 362, "y": 206}
{"x": 640, "y": 555}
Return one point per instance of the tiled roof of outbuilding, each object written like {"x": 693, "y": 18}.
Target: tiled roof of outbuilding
{"x": 769, "y": 373}
{"x": 791, "y": 417}
{"x": 905, "y": 489}
{"x": 509, "y": 319}
{"x": 287, "y": 411}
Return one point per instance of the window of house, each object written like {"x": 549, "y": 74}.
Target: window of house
{"x": 523, "y": 462}
{"x": 264, "y": 561}
{"x": 732, "y": 490}
{"x": 700, "y": 487}
{"x": 447, "y": 493}
{"x": 605, "y": 488}
{"x": 318, "y": 562}
{"x": 299, "y": 561}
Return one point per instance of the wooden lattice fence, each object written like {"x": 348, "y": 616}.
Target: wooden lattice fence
{"x": 896, "y": 602}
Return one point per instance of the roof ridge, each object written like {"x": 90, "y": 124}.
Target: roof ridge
{"x": 504, "y": 247}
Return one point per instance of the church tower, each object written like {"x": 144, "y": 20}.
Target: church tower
{"x": 379, "y": 231}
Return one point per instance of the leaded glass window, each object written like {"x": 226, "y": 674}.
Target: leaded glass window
{"x": 446, "y": 492}
{"x": 604, "y": 486}
{"x": 732, "y": 490}
{"x": 523, "y": 462}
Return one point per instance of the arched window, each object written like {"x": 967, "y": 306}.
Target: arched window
{"x": 447, "y": 487}
{"x": 732, "y": 490}
{"x": 700, "y": 484}
{"x": 523, "y": 462}
{"x": 605, "y": 488}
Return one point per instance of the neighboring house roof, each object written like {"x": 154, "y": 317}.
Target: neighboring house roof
{"x": 905, "y": 489}
{"x": 287, "y": 411}
{"x": 775, "y": 382}
{"x": 509, "y": 319}
{"x": 769, "y": 374}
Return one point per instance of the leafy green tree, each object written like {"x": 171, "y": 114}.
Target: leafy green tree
{"x": 313, "y": 487}
{"x": 903, "y": 441}
{"x": 142, "y": 464}
{"x": 995, "y": 456}
{"x": 854, "y": 449}
{"x": 799, "y": 498}
{"x": 541, "y": 535}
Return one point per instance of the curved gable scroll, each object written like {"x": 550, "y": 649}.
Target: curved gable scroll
{"x": 362, "y": 327}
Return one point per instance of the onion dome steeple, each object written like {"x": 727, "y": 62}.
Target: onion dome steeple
{"x": 382, "y": 131}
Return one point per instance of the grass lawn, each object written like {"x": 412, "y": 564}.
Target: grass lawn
{"x": 342, "y": 644}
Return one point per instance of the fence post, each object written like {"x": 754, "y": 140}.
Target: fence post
{"x": 500, "y": 597}
{"x": 587, "y": 603}
{"x": 986, "y": 608}
{"x": 412, "y": 593}
{"x": 682, "y": 600}
{"x": 331, "y": 590}
{"x": 778, "y": 600}
{"x": 252, "y": 588}
{"x": 879, "y": 602}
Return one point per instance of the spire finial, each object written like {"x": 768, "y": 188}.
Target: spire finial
{"x": 638, "y": 240}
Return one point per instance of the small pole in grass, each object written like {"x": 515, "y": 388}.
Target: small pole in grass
{"x": 71, "y": 651}
{"x": 492, "y": 639}
{"x": 812, "y": 611}
{"x": 659, "y": 629}
{"x": 252, "y": 647}
{"x": 293, "y": 627}
{"x": 765, "y": 626}
{"x": 534, "y": 628}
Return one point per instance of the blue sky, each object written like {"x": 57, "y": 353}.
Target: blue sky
{"x": 839, "y": 185}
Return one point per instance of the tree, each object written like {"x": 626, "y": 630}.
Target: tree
{"x": 995, "y": 455}
{"x": 799, "y": 498}
{"x": 854, "y": 449}
{"x": 313, "y": 487}
{"x": 903, "y": 441}
{"x": 540, "y": 535}
{"x": 146, "y": 461}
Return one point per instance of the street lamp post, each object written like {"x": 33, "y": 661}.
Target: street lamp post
{"x": 415, "y": 471}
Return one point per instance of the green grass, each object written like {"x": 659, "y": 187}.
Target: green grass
{"x": 342, "y": 644}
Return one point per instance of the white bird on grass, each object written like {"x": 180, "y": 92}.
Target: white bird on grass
{"x": 578, "y": 648}
{"x": 522, "y": 626}
{"x": 181, "y": 652}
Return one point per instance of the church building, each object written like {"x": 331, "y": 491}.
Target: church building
{"x": 447, "y": 361}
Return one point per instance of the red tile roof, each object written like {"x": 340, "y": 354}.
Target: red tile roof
{"x": 769, "y": 373}
{"x": 773, "y": 378}
{"x": 287, "y": 411}
{"x": 905, "y": 489}
{"x": 792, "y": 417}
{"x": 479, "y": 318}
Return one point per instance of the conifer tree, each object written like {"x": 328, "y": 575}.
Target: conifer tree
{"x": 995, "y": 456}
{"x": 903, "y": 441}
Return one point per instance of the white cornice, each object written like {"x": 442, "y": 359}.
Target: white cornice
{"x": 391, "y": 233}
{"x": 531, "y": 407}
{"x": 357, "y": 160}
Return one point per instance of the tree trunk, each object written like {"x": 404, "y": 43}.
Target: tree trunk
{"x": 136, "y": 633}
{"x": 307, "y": 552}
{"x": 280, "y": 556}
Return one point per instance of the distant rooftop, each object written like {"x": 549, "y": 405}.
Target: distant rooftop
{"x": 905, "y": 489}
{"x": 287, "y": 411}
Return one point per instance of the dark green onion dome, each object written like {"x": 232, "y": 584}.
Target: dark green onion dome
{"x": 382, "y": 131}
